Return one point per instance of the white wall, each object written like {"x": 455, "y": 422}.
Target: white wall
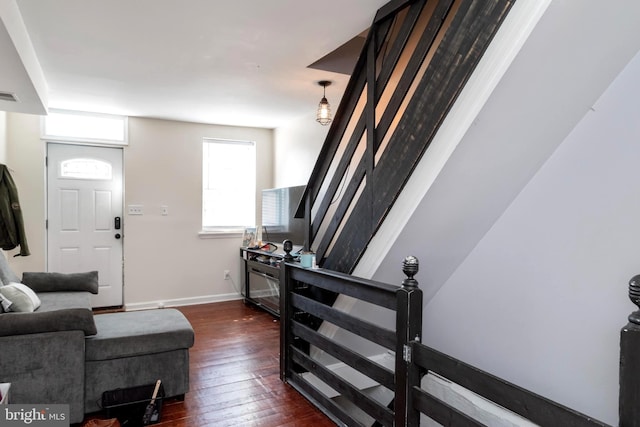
{"x": 165, "y": 259}
{"x": 297, "y": 146}
{"x": 542, "y": 297}
{"x": 25, "y": 157}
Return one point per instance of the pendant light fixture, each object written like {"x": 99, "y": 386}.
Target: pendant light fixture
{"x": 323, "y": 116}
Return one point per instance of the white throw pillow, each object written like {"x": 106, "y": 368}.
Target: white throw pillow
{"x": 5, "y": 304}
{"x": 22, "y": 297}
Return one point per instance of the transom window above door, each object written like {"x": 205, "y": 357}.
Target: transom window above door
{"x": 77, "y": 126}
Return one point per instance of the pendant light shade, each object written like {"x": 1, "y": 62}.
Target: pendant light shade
{"x": 323, "y": 116}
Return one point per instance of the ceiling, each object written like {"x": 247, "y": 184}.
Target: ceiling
{"x": 241, "y": 62}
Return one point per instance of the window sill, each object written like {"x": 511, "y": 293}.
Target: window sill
{"x": 226, "y": 234}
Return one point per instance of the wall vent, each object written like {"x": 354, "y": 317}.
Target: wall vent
{"x": 8, "y": 96}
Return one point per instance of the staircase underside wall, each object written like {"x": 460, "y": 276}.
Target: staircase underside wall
{"x": 464, "y": 230}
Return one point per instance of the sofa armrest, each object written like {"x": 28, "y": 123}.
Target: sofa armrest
{"x": 52, "y": 282}
{"x": 69, "y": 319}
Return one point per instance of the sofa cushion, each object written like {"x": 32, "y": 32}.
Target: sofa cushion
{"x": 59, "y": 311}
{"x": 52, "y": 301}
{"x": 134, "y": 333}
{"x": 71, "y": 319}
{"x": 22, "y": 298}
{"x": 54, "y": 282}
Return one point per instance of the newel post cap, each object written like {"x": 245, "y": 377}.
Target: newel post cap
{"x": 410, "y": 267}
{"x": 634, "y": 296}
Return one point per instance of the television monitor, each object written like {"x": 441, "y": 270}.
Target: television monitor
{"x": 279, "y": 206}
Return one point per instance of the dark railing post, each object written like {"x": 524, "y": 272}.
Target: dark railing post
{"x": 629, "y": 406}
{"x": 308, "y": 222}
{"x": 286, "y": 337}
{"x": 408, "y": 328}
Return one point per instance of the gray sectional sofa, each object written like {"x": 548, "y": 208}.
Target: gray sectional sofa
{"x": 63, "y": 353}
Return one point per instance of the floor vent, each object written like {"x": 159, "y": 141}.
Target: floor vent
{"x": 8, "y": 96}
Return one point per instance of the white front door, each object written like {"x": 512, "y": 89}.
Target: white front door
{"x": 84, "y": 212}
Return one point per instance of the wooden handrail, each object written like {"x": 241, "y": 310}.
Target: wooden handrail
{"x": 298, "y": 305}
{"x": 413, "y": 359}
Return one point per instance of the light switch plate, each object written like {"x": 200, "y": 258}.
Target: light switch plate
{"x": 135, "y": 210}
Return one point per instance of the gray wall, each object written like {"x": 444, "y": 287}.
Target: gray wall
{"x": 542, "y": 297}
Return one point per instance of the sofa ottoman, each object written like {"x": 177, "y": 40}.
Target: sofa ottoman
{"x": 137, "y": 348}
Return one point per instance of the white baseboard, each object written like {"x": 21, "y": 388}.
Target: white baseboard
{"x": 181, "y": 302}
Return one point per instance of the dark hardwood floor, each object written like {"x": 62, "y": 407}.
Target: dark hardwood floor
{"x": 234, "y": 373}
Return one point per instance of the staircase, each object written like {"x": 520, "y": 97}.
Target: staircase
{"x": 417, "y": 58}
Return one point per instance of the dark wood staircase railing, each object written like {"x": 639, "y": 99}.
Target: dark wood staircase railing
{"x": 417, "y": 58}
{"x": 297, "y": 304}
{"x": 414, "y": 360}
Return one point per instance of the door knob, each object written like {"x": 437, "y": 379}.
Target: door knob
{"x": 118, "y": 235}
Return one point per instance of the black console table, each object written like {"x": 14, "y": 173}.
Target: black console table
{"x": 261, "y": 276}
